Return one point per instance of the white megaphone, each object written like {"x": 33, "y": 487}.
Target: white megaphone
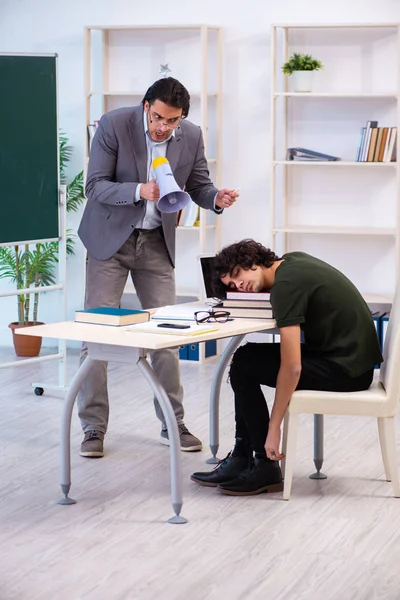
{"x": 172, "y": 198}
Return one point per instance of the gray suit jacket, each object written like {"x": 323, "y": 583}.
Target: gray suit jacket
{"x": 118, "y": 162}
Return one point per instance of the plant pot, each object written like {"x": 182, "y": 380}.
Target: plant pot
{"x": 302, "y": 81}
{"x": 26, "y": 345}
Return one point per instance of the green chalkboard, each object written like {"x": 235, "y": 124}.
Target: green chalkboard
{"x": 28, "y": 148}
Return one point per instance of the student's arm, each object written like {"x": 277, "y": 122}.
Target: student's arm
{"x": 288, "y": 378}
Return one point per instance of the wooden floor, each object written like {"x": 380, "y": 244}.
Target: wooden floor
{"x": 337, "y": 539}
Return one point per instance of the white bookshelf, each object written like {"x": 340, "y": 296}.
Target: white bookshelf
{"x": 345, "y": 212}
{"x": 121, "y": 62}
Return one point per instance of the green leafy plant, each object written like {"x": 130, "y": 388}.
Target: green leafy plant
{"x": 28, "y": 268}
{"x": 34, "y": 267}
{"x": 301, "y": 62}
{"x": 75, "y": 189}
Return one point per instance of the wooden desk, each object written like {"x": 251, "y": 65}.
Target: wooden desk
{"x": 120, "y": 344}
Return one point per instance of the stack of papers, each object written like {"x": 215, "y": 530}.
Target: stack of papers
{"x": 179, "y": 312}
{"x": 156, "y": 327}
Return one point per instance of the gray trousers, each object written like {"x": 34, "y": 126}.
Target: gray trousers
{"x": 144, "y": 256}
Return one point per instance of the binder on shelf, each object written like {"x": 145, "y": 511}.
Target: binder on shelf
{"x": 306, "y": 154}
{"x": 384, "y": 325}
{"x": 360, "y": 143}
{"x": 211, "y": 348}
{"x": 377, "y": 319}
{"x": 390, "y": 152}
{"x": 367, "y": 138}
{"x": 193, "y": 352}
{"x": 183, "y": 352}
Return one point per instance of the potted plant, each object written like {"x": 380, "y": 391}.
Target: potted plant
{"x": 302, "y": 67}
{"x": 27, "y": 268}
{"x": 35, "y": 265}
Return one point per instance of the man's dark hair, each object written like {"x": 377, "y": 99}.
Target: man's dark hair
{"x": 245, "y": 254}
{"x": 171, "y": 92}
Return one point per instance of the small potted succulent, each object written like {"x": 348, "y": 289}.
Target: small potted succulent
{"x": 301, "y": 67}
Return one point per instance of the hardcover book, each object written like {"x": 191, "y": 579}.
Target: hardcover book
{"x": 111, "y": 316}
{"x": 246, "y": 303}
{"x": 247, "y": 295}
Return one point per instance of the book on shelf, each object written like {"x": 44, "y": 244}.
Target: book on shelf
{"x": 306, "y": 154}
{"x": 191, "y": 329}
{"x": 103, "y": 315}
{"x": 376, "y": 144}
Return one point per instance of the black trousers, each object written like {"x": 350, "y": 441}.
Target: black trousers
{"x": 256, "y": 364}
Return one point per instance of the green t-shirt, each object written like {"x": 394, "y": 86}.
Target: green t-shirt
{"x": 335, "y": 319}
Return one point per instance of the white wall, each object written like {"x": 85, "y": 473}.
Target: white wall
{"x": 51, "y": 26}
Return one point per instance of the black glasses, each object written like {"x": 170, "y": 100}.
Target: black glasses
{"x": 169, "y": 123}
{"x": 204, "y": 316}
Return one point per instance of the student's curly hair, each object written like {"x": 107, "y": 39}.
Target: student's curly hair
{"x": 246, "y": 254}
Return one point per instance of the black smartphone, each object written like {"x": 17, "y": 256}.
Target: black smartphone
{"x": 173, "y": 325}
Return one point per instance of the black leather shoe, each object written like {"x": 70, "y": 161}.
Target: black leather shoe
{"x": 264, "y": 476}
{"x": 227, "y": 469}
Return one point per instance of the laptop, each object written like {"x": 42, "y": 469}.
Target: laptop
{"x": 214, "y": 290}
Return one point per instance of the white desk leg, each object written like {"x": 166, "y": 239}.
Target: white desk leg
{"x": 318, "y": 447}
{"x": 65, "y": 449}
{"x": 173, "y": 434}
{"x": 215, "y": 393}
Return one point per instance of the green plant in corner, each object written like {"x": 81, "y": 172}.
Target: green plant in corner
{"x": 28, "y": 268}
{"x": 75, "y": 188}
{"x": 34, "y": 267}
{"x": 301, "y": 62}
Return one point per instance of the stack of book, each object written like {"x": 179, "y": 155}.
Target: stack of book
{"x": 247, "y": 300}
{"x": 248, "y": 305}
{"x": 376, "y": 144}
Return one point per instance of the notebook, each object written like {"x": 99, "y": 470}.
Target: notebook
{"x": 156, "y": 327}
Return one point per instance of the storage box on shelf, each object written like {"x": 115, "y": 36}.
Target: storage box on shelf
{"x": 345, "y": 211}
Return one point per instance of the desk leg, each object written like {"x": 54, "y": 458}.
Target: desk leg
{"x": 318, "y": 447}
{"x": 215, "y": 393}
{"x": 173, "y": 434}
{"x": 65, "y": 448}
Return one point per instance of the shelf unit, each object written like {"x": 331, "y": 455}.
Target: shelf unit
{"x": 121, "y": 62}
{"x": 339, "y": 210}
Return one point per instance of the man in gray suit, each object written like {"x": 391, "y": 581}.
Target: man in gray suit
{"x": 124, "y": 232}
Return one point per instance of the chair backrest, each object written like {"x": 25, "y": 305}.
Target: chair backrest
{"x": 390, "y": 368}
